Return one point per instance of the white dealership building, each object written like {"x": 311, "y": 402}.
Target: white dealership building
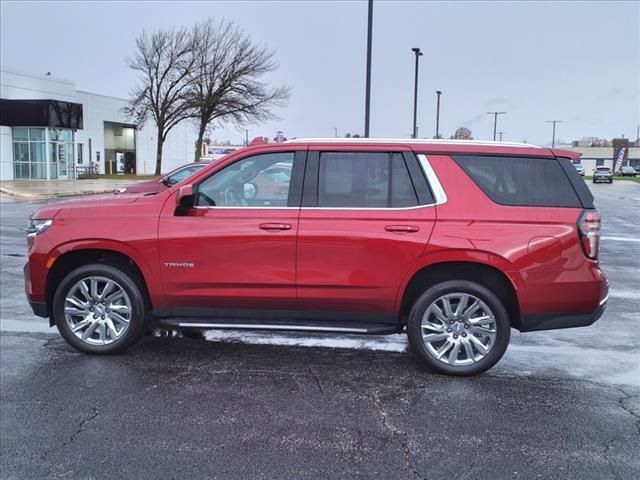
{"x": 51, "y": 130}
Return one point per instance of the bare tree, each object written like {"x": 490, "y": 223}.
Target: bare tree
{"x": 164, "y": 60}
{"x": 462, "y": 133}
{"x": 224, "y": 85}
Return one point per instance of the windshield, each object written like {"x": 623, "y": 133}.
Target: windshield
{"x": 182, "y": 174}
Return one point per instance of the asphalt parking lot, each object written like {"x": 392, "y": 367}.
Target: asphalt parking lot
{"x": 560, "y": 404}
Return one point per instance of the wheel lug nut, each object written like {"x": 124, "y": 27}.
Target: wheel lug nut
{"x": 455, "y": 336}
{"x": 91, "y": 309}
{"x": 451, "y": 322}
{"x": 102, "y": 317}
{"x": 464, "y": 334}
{"x": 95, "y": 316}
{"x": 466, "y": 326}
{"x": 449, "y": 330}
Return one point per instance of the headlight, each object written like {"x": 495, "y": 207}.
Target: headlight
{"x": 36, "y": 227}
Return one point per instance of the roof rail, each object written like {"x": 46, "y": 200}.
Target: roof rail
{"x": 438, "y": 141}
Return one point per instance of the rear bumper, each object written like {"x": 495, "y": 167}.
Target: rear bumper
{"x": 554, "y": 321}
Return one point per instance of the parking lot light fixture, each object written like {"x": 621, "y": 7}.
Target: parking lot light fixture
{"x": 438, "y": 93}
{"x": 418, "y": 54}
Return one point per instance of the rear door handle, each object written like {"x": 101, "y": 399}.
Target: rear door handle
{"x": 275, "y": 227}
{"x": 401, "y": 228}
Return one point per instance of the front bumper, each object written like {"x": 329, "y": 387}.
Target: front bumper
{"x": 554, "y": 321}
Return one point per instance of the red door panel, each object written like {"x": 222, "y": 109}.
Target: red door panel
{"x": 229, "y": 257}
{"x": 354, "y": 260}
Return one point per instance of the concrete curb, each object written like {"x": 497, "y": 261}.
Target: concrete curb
{"x": 39, "y": 196}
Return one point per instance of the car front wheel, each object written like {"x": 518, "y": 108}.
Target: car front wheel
{"x": 99, "y": 309}
{"x": 459, "y": 327}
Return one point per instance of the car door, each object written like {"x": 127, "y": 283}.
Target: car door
{"x": 235, "y": 249}
{"x": 366, "y": 219}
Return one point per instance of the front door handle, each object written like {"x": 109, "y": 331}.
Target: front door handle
{"x": 275, "y": 227}
{"x": 401, "y": 228}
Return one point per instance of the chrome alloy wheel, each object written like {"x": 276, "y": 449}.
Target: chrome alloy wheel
{"x": 97, "y": 310}
{"x": 458, "y": 329}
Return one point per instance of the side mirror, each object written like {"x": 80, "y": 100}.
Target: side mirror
{"x": 185, "y": 200}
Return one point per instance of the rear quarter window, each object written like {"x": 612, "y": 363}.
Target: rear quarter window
{"x": 520, "y": 181}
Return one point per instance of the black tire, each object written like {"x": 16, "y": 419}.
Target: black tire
{"x": 125, "y": 279}
{"x": 611, "y": 181}
{"x": 503, "y": 327}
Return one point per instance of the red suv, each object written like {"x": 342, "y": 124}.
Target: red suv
{"x": 452, "y": 242}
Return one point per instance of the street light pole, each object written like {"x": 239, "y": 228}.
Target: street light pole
{"x": 553, "y": 138}
{"x": 335, "y": 132}
{"x": 438, "y": 93}
{"x": 367, "y": 100}
{"x": 418, "y": 54}
{"x": 495, "y": 122}
{"x": 500, "y": 133}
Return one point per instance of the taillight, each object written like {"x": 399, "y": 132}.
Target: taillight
{"x": 589, "y": 229}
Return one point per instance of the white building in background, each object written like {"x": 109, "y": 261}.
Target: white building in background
{"x": 50, "y": 130}
{"x": 593, "y": 157}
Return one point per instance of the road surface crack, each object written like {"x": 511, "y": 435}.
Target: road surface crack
{"x": 623, "y": 402}
{"x": 317, "y": 380}
{"x": 397, "y": 434}
{"x": 72, "y": 438}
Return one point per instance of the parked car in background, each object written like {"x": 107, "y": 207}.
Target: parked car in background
{"x": 637, "y": 168}
{"x": 579, "y": 168}
{"x": 168, "y": 180}
{"x": 628, "y": 171}
{"x": 602, "y": 174}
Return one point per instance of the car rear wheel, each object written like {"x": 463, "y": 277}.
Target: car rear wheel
{"x": 459, "y": 327}
{"x": 99, "y": 309}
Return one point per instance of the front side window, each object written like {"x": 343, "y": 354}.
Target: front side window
{"x": 364, "y": 180}
{"x": 256, "y": 181}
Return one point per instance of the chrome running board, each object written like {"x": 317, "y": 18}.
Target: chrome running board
{"x": 301, "y": 327}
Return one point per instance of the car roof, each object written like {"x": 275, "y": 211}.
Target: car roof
{"x": 426, "y": 146}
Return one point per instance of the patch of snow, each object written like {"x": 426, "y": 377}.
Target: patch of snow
{"x": 386, "y": 343}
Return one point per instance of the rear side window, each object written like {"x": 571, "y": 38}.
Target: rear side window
{"x": 364, "y": 180}
{"x": 521, "y": 181}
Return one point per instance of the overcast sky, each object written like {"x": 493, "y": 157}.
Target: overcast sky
{"x": 574, "y": 61}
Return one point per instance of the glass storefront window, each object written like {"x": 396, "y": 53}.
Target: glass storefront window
{"x": 29, "y": 153}
{"x": 36, "y": 134}
{"x": 38, "y": 160}
{"x": 20, "y": 152}
{"x": 60, "y": 135}
{"x": 20, "y": 134}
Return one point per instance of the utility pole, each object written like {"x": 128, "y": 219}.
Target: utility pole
{"x": 335, "y": 132}
{"x": 367, "y": 100}
{"x": 438, "y": 93}
{"x": 246, "y": 138}
{"x": 495, "y": 122}
{"x": 553, "y": 138}
{"x": 500, "y": 133}
{"x": 418, "y": 54}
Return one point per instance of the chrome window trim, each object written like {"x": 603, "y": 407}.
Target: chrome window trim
{"x": 244, "y": 207}
{"x": 439, "y": 194}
